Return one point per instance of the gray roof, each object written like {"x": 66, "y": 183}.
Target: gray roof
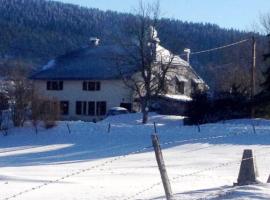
{"x": 88, "y": 63}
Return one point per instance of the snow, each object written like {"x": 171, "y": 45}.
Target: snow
{"x": 181, "y": 78}
{"x": 92, "y": 163}
{"x": 118, "y": 109}
{"x": 178, "y": 97}
{"x": 49, "y": 65}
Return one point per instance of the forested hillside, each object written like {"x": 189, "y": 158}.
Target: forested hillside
{"x": 38, "y": 30}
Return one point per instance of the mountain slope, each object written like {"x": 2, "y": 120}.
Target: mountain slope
{"x": 38, "y": 30}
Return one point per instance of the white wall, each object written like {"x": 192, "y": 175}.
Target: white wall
{"x": 113, "y": 92}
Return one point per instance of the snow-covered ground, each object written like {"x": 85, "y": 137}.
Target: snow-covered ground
{"x": 90, "y": 163}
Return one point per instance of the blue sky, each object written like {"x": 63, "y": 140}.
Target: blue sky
{"x": 238, "y": 14}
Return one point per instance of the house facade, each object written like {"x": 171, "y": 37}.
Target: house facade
{"x": 87, "y": 82}
{"x": 85, "y": 99}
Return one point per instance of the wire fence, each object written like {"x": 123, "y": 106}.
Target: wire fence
{"x": 180, "y": 176}
{"x": 141, "y": 150}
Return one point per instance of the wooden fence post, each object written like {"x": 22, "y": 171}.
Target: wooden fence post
{"x": 254, "y": 129}
{"x": 162, "y": 168}
{"x": 69, "y": 131}
{"x": 199, "y": 128}
{"x": 109, "y": 128}
{"x": 36, "y": 129}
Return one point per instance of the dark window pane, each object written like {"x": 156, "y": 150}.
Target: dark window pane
{"x": 181, "y": 87}
{"x": 101, "y": 108}
{"x": 49, "y": 85}
{"x": 54, "y": 85}
{"x": 91, "y": 108}
{"x": 91, "y": 86}
{"x": 64, "y": 107}
{"x": 85, "y": 85}
{"x": 84, "y": 108}
{"x": 97, "y": 86}
{"x": 78, "y": 107}
{"x": 60, "y": 85}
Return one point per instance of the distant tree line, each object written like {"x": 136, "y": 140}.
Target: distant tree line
{"x": 38, "y": 30}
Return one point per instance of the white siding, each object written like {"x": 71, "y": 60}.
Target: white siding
{"x": 113, "y": 92}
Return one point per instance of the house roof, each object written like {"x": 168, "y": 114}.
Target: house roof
{"x": 87, "y": 63}
{"x": 101, "y": 62}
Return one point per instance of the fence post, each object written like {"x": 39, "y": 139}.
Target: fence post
{"x": 199, "y": 127}
{"x": 155, "y": 127}
{"x": 254, "y": 129}
{"x": 162, "y": 168}
{"x": 247, "y": 174}
{"x": 109, "y": 128}
{"x": 36, "y": 129}
{"x": 69, "y": 131}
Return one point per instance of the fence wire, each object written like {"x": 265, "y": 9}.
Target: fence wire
{"x": 194, "y": 173}
{"x": 98, "y": 166}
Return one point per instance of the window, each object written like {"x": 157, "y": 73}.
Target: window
{"x": 97, "y": 86}
{"x": 84, "y": 107}
{"x": 91, "y": 86}
{"x": 180, "y": 87}
{"x": 101, "y": 108}
{"x": 78, "y": 107}
{"x": 55, "y": 85}
{"x": 91, "y": 108}
{"x": 84, "y": 85}
{"x": 194, "y": 86}
{"x": 64, "y": 107}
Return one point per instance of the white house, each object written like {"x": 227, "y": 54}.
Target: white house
{"x": 87, "y": 83}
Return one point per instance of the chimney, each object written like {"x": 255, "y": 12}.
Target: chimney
{"x": 94, "y": 41}
{"x": 187, "y": 51}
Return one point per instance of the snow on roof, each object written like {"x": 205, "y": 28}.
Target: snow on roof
{"x": 164, "y": 55}
{"x": 118, "y": 108}
{"x": 198, "y": 80}
{"x": 181, "y": 78}
{"x": 49, "y": 65}
{"x": 178, "y": 97}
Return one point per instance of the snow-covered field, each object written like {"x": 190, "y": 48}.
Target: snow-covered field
{"x": 90, "y": 163}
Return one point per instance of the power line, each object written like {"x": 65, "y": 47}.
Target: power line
{"x": 218, "y": 48}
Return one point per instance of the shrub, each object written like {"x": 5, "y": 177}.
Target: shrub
{"x": 45, "y": 110}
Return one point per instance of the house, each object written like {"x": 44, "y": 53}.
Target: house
{"x": 87, "y": 82}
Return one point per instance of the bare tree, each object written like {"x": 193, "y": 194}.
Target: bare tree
{"x": 140, "y": 47}
{"x": 265, "y": 22}
{"x": 20, "y": 90}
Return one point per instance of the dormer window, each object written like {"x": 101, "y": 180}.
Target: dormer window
{"x": 55, "y": 85}
{"x": 180, "y": 87}
{"x": 91, "y": 86}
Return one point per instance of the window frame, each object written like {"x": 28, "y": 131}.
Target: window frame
{"x": 55, "y": 85}
{"x": 91, "y": 86}
{"x": 62, "y": 109}
{"x": 101, "y": 108}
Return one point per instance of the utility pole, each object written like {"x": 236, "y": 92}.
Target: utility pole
{"x": 253, "y": 75}
{"x": 253, "y": 70}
